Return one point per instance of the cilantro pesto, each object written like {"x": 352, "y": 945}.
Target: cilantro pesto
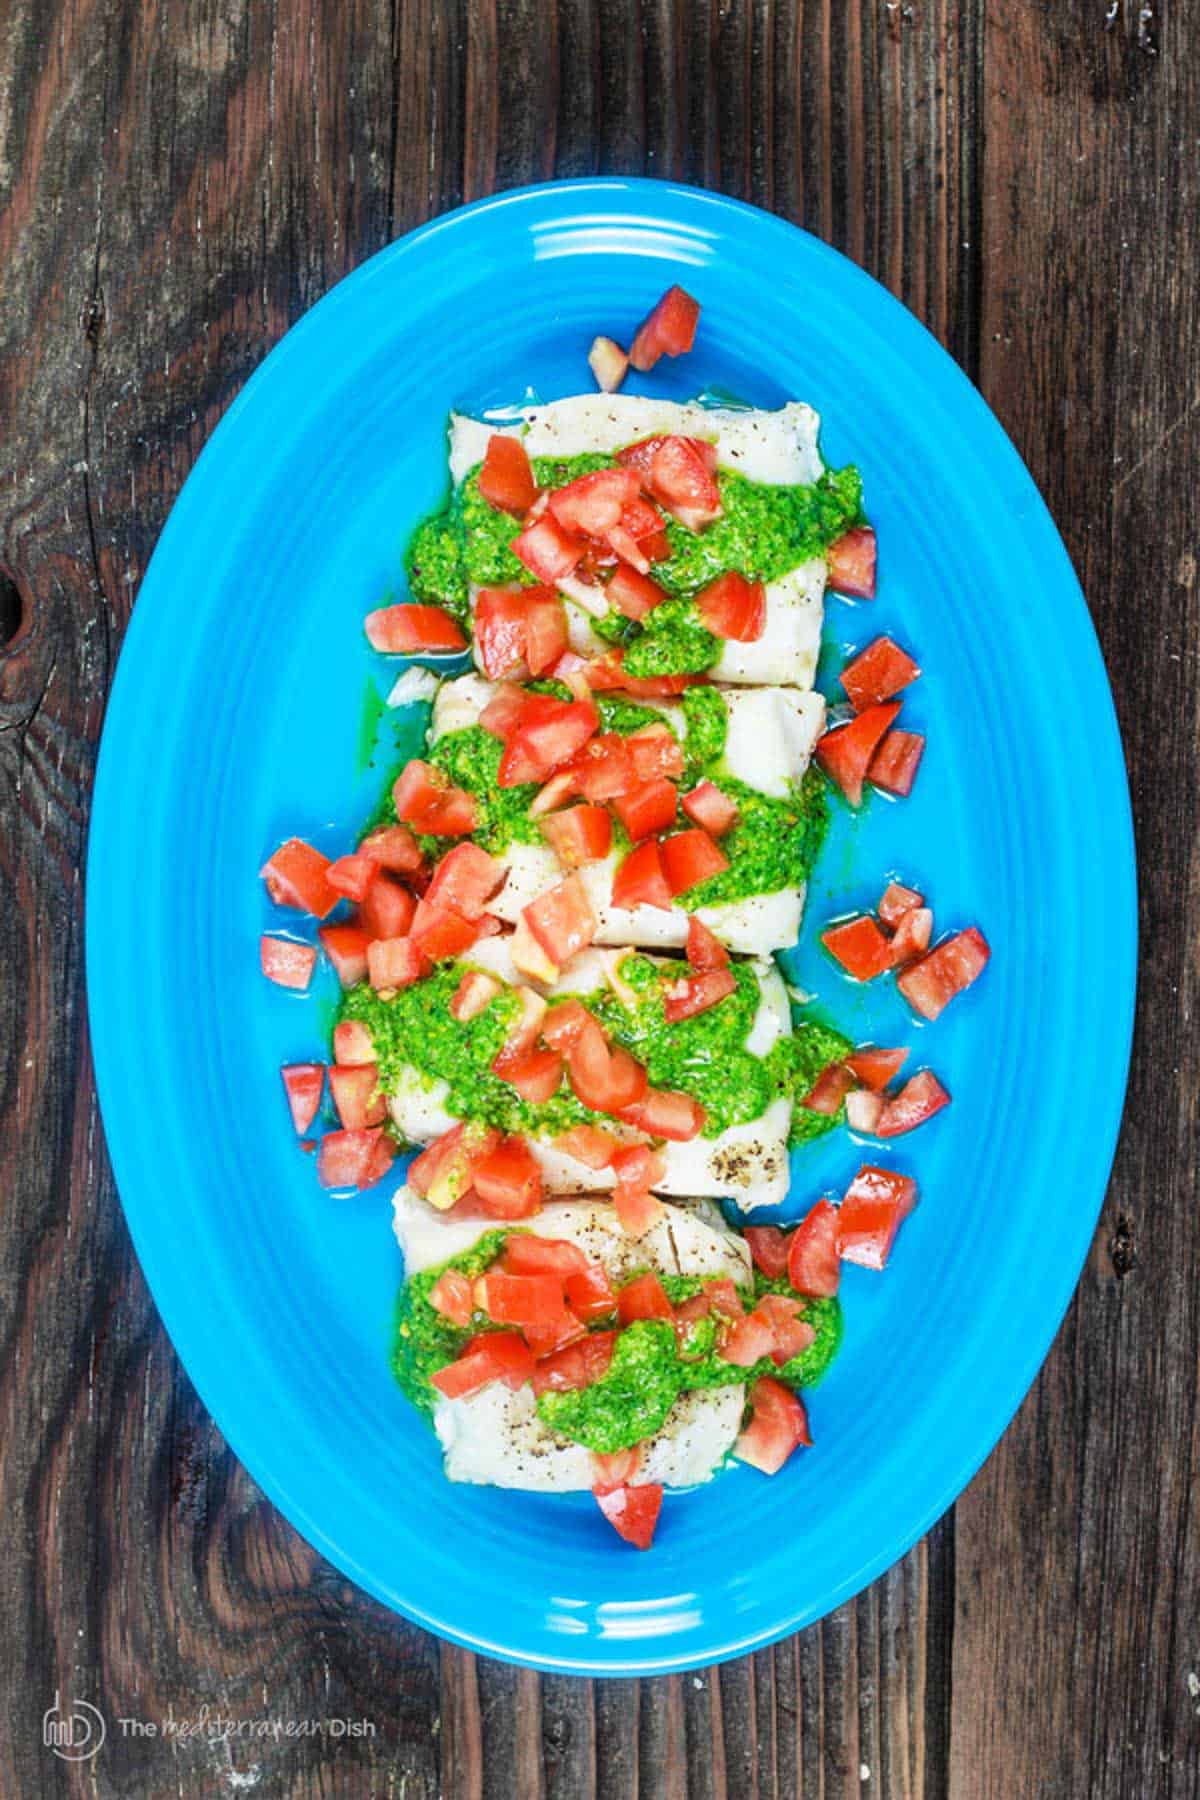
{"x": 649, "y": 1369}
{"x": 764, "y": 531}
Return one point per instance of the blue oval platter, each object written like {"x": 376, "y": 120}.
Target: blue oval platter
{"x": 247, "y": 707}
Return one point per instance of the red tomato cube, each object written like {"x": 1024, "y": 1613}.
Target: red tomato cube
{"x": 287, "y": 964}
{"x": 732, "y": 607}
{"x": 863, "y": 950}
{"x": 896, "y": 901}
{"x": 845, "y": 753}
{"x": 930, "y": 985}
{"x": 354, "y": 1159}
{"x": 295, "y": 876}
{"x": 852, "y": 563}
{"x": 872, "y": 1210}
{"x": 778, "y": 1425}
{"x": 646, "y": 809}
{"x": 877, "y": 673}
{"x": 669, "y": 329}
{"x": 894, "y": 765}
{"x": 707, "y": 806}
{"x": 919, "y": 1099}
{"x": 346, "y": 948}
{"x": 506, "y": 478}
{"x": 352, "y": 875}
{"x": 689, "y": 858}
{"x": 303, "y": 1083}
{"x": 631, "y": 1511}
{"x": 355, "y": 1090}
{"x": 696, "y": 994}
{"x": 394, "y": 963}
{"x": 581, "y": 834}
{"x": 640, "y": 880}
{"x": 410, "y": 630}
{"x": 813, "y": 1255}
{"x": 562, "y": 920}
{"x": 465, "y": 880}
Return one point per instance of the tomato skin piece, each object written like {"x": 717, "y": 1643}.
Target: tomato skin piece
{"x": 643, "y": 1298}
{"x": 852, "y": 561}
{"x": 465, "y": 880}
{"x": 451, "y": 1296}
{"x": 562, "y": 920}
{"x": 845, "y": 753}
{"x": 918, "y": 1100}
{"x": 547, "y": 551}
{"x": 355, "y": 1091}
{"x": 690, "y": 857}
{"x": 812, "y": 1253}
{"x": 631, "y": 1511}
{"x": 508, "y": 1181}
{"x": 352, "y": 875}
{"x": 873, "y": 1208}
{"x": 287, "y": 964}
{"x": 862, "y": 949}
{"x": 669, "y": 329}
{"x": 875, "y": 1067}
{"x": 912, "y": 935}
{"x": 410, "y": 630}
{"x": 578, "y": 835}
{"x": 895, "y": 902}
{"x": 685, "y": 999}
{"x": 394, "y": 963}
{"x": 646, "y": 809}
{"x": 877, "y": 673}
{"x": 946, "y": 970}
{"x": 295, "y": 877}
{"x": 732, "y": 607}
{"x": 590, "y": 1294}
{"x": 493, "y": 1356}
{"x": 894, "y": 765}
{"x": 346, "y": 948}
{"x": 662, "y": 1114}
{"x": 641, "y": 880}
{"x": 768, "y": 1247}
{"x": 632, "y": 593}
{"x": 711, "y": 809}
{"x": 355, "y": 1159}
{"x": 537, "y": 1076}
{"x": 778, "y": 1427}
{"x": 589, "y": 1145}
{"x": 303, "y": 1083}
{"x": 829, "y": 1090}
{"x": 506, "y": 478}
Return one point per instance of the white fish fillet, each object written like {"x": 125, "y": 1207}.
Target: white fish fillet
{"x": 747, "y": 1164}
{"x": 778, "y": 448}
{"x": 771, "y": 735}
{"x": 496, "y": 1437}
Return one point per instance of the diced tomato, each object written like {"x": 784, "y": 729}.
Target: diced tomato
{"x": 555, "y": 1333}
{"x": 812, "y": 1252}
{"x": 439, "y": 932}
{"x": 662, "y": 1114}
{"x": 877, "y": 673}
{"x": 545, "y": 630}
{"x": 355, "y": 1159}
{"x": 589, "y": 1145}
{"x": 637, "y": 1165}
{"x": 829, "y": 1090}
{"x": 506, "y": 479}
{"x": 791, "y": 1335}
{"x": 912, "y": 935}
{"x": 641, "y": 879}
{"x": 657, "y": 548}
{"x": 562, "y": 920}
{"x": 287, "y": 964}
{"x": 608, "y": 671}
{"x": 732, "y": 607}
{"x": 394, "y": 963}
{"x": 527, "y": 1254}
{"x": 560, "y": 788}
{"x": 355, "y": 1091}
{"x": 544, "y": 740}
{"x": 578, "y": 1366}
{"x": 387, "y": 908}
{"x": 864, "y": 1110}
{"x": 632, "y": 1511}
{"x": 921, "y": 1096}
{"x": 590, "y": 1293}
{"x": 528, "y": 957}
{"x": 393, "y": 847}
{"x": 690, "y": 857}
{"x": 894, "y": 765}
{"x": 852, "y": 563}
{"x": 705, "y": 952}
{"x": 616, "y": 1469}
{"x": 633, "y": 594}
{"x": 592, "y": 504}
{"x": 895, "y": 902}
{"x": 547, "y": 550}
{"x": 443, "y": 1172}
{"x": 499, "y": 628}
{"x": 352, "y": 875}
{"x": 873, "y": 1208}
{"x": 646, "y": 809}
{"x": 581, "y": 834}
{"x": 643, "y": 1298}
{"x": 604, "y": 768}
{"x": 750, "y": 1340}
{"x": 681, "y": 479}
{"x": 605, "y": 1077}
{"x": 409, "y": 630}
{"x": 696, "y": 994}
{"x": 930, "y": 985}
{"x": 669, "y": 329}
{"x": 424, "y": 799}
{"x": 563, "y": 1024}
{"x": 465, "y": 880}
{"x": 608, "y": 363}
{"x": 707, "y": 806}
{"x": 352, "y": 1043}
{"x": 845, "y": 753}
{"x": 303, "y": 1083}
{"x": 514, "y": 1299}
{"x": 508, "y": 1180}
{"x": 655, "y": 753}
{"x": 779, "y": 1425}
{"x": 473, "y": 995}
{"x": 500, "y": 715}
{"x": 863, "y": 950}
{"x": 451, "y": 1296}
{"x": 492, "y": 1356}
{"x": 637, "y": 1210}
{"x": 295, "y": 876}
{"x": 875, "y": 1067}
{"x": 346, "y": 948}
{"x": 768, "y": 1247}
{"x": 537, "y": 1075}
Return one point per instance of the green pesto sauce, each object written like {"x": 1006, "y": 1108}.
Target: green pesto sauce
{"x": 424, "y": 1340}
{"x": 470, "y": 758}
{"x": 796, "y": 1062}
{"x": 773, "y": 845}
{"x": 764, "y": 531}
{"x": 707, "y": 718}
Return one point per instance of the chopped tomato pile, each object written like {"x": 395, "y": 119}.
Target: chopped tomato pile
{"x": 867, "y": 747}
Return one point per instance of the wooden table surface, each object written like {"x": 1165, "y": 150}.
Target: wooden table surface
{"x": 179, "y": 180}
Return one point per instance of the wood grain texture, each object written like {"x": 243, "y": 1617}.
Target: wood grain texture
{"x": 179, "y": 180}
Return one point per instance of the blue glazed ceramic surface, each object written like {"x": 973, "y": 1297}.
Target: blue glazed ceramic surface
{"x": 235, "y": 721}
